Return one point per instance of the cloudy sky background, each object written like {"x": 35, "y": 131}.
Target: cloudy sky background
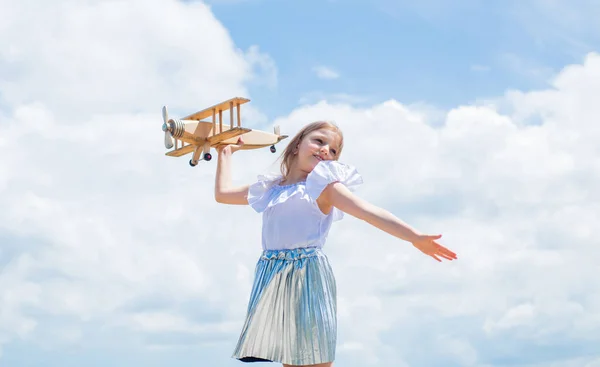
{"x": 474, "y": 120}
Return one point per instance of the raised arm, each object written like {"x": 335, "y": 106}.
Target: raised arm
{"x": 338, "y": 195}
{"x": 225, "y": 193}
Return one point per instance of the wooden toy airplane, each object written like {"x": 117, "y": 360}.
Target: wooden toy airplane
{"x": 201, "y": 136}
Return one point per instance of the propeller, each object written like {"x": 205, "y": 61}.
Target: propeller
{"x": 166, "y": 128}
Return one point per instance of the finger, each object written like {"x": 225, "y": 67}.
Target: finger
{"x": 446, "y": 256}
{"x": 436, "y": 258}
{"x": 236, "y": 147}
{"x": 448, "y": 252}
{"x": 443, "y": 248}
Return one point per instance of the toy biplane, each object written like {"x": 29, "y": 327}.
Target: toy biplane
{"x": 193, "y": 134}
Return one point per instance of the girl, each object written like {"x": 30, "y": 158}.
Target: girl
{"x": 291, "y": 316}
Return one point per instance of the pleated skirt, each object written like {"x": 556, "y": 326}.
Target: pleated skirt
{"x": 291, "y": 316}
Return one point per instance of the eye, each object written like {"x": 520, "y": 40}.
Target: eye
{"x": 319, "y": 140}
{"x": 334, "y": 151}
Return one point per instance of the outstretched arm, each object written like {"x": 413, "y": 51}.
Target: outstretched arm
{"x": 225, "y": 193}
{"x": 338, "y": 195}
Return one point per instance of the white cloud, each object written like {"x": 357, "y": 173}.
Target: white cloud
{"x": 144, "y": 56}
{"x": 266, "y": 69}
{"x": 324, "y": 72}
{"x": 83, "y": 156}
{"x": 516, "y": 201}
{"x": 105, "y": 236}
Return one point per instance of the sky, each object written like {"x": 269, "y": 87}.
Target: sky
{"x": 476, "y": 120}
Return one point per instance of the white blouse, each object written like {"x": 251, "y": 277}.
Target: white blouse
{"x": 291, "y": 215}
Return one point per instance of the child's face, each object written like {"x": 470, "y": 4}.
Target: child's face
{"x": 317, "y": 146}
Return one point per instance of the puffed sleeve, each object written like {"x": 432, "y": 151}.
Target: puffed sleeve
{"x": 259, "y": 192}
{"x": 327, "y": 172}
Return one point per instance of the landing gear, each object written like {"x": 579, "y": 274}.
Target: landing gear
{"x": 273, "y": 150}
{"x": 207, "y": 157}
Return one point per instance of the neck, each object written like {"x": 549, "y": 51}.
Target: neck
{"x": 294, "y": 175}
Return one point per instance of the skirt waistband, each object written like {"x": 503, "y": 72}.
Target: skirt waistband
{"x": 290, "y": 254}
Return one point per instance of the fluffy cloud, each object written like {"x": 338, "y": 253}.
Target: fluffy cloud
{"x": 513, "y": 186}
{"x": 105, "y": 241}
{"x": 98, "y": 226}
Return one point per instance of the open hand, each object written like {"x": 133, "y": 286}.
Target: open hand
{"x": 230, "y": 148}
{"x": 428, "y": 245}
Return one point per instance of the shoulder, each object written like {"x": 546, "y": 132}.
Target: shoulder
{"x": 265, "y": 181}
{"x": 327, "y": 172}
{"x": 326, "y": 175}
{"x": 259, "y": 191}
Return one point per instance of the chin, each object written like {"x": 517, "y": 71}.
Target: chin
{"x": 309, "y": 166}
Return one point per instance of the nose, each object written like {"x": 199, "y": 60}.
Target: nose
{"x": 325, "y": 149}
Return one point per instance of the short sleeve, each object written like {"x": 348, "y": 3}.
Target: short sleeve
{"x": 327, "y": 172}
{"x": 259, "y": 192}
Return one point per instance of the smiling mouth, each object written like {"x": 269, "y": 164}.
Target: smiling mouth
{"x": 319, "y": 158}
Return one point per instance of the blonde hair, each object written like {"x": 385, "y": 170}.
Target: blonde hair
{"x": 287, "y": 157}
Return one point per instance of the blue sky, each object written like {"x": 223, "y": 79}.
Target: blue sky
{"x": 433, "y": 53}
{"x": 113, "y": 254}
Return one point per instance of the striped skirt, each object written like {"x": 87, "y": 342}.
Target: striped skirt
{"x": 291, "y": 316}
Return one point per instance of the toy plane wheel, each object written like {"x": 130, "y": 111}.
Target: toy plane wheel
{"x": 192, "y": 163}
{"x": 273, "y": 150}
{"x": 207, "y": 156}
